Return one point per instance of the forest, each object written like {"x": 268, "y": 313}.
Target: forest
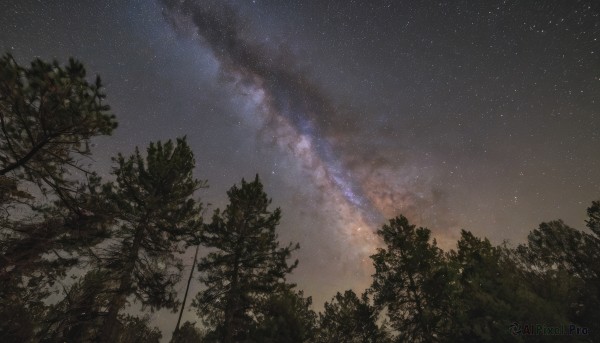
{"x": 77, "y": 251}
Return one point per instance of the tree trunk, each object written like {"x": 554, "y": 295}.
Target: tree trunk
{"x": 109, "y": 327}
{"x": 228, "y": 325}
{"x": 187, "y": 288}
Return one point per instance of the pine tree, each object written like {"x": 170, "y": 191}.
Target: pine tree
{"x": 349, "y": 319}
{"x": 155, "y": 215}
{"x": 483, "y": 307}
{"x": 562, "y": 251}
{"x": 285, "y": 317}
{"x": 246, "y": 264}
{"x": 410, "y": 280}
{"x": 48, "y": 115}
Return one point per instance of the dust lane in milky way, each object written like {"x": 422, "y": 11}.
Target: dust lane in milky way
{"x": 297, "y": 116}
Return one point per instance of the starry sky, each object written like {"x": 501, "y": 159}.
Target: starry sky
{"x": 477, "y": 115}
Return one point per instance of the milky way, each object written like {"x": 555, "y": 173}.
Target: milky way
{"x": 297, "y": 116}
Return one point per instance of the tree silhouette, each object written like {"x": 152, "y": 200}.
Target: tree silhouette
{"x": 349, "y": 319}
{"x": 285, "y": 317}
{"x": 558, "y": 250}
{"x": 411, "y": 280}
{"x": 155, "y": 214}
{"x": 48, "y": 115}
{"x": 245, "y": 265}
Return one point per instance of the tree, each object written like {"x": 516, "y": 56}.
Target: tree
{"x": 558, "y": 250}
{"x": 155, "y": 214}
{"x": 499, "y": 288}
{"x": 285, "y": 317}
{"x": 246, "y": 264}
{"x": 349, "y": 319}
{"x": 48, "y": 115}
{"x": 187, "y": 289}
{"x": 411, "y": 281}
{"x": 483, "y": 308}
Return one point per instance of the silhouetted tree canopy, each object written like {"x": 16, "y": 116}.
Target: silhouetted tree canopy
{"x": 349, "y": 319}
{"x": 246, "y": 265}
{"x": 48, "y": 115}
{"x": 155, "y": 216}
{"x": 411, "y": 281}
{"x": 285, "y": 317}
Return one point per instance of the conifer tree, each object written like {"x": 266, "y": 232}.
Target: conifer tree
{"x": 245, "y": 265}
{"x": 286, "y": 317}
{"x": 485, "y": 298}
{"x": 48, "y": 115}
{"x": 410, "y": 281}
{"x": 349, "y": 319}
{"x": 562, "y": 251}
{"x": 155, "y": 215}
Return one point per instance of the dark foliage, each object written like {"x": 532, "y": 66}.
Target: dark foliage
{"x": 285, "y": 317}
{"x": 349, "y": 319}
{"x": 155, "y": 216}
{"x": 48, "y": 115}
{"x": 246, "y": 264}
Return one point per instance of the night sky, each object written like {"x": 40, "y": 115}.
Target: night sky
{"x": 477, "y": 115}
